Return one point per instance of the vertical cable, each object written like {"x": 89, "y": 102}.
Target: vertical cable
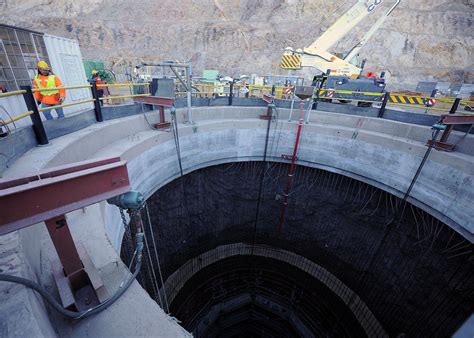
{"x": 157, "y": 260}
{"x": 262, "y": 177}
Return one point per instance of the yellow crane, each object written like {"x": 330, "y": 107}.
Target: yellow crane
{"x": 317, "y": 55}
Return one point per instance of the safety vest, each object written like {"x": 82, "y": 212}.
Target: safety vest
{"x": 50, "y": 84}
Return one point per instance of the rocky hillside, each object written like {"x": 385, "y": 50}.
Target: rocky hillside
{"x": 423, "y": 40}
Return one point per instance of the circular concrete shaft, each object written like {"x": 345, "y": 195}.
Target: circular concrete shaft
{"x": 411, "y": 270}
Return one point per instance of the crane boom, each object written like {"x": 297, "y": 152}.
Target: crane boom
{"x": 341, "y": 27}
{"x": 355, "y": 50}
{"x": 317, "y": 55}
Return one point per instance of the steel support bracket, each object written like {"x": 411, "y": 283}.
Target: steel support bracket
{"x": 268, "y": 98}
{"x": 47, "y": 196}
{"x": 77, "y": 279}
{"x": 449, "y": 121}
{"x": 270, "y": 107}
{"x": 161, "y": 103}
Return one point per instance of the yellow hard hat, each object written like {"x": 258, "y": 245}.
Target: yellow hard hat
{"x": 43, "y": 64}
{"x": 94, "y": 72}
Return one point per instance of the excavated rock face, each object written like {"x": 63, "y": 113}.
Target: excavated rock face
{"x": 412, "y": 271}
{"x": 424, "y": 40}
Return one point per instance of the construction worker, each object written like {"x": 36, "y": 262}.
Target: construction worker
{"x": 47, "y": 98}
{"x": 97, "y": 79}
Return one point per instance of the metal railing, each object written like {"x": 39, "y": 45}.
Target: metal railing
{"x": 122, "y": 96}
{"x": 280, "y": 92}
{"x": 60, "y": 88}
{"x": 124, "y": 84}
{"x": 230, "y": 91}
{"x": 34, "y": 111}
{"x": 34, "y": 90}
{"x": 18, "y": 117}
{"x": 12, "y": 93}
{"x": 65, "y": 105}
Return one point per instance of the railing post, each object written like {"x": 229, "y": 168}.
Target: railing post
{"x": 154, "y": 87}
{"x": 97, "y": 107}
{"x": 384, "y": 104}
{"x": 231, "y": 93}
{"x": 38, "y": 126}
{"x": 455, "y": 106}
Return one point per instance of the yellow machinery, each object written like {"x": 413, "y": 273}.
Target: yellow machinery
{"x": 317, "y": 55}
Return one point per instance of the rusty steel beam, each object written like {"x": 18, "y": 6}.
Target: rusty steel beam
{"x": 450, "y": 121}
{"x": 155, "y": 100}
{"x": 163, "y": 124}
{"x": 47, "y": 196}
{"x": 161, "y": 103}
{"x": 57, "y": 191}
{"x": 268, "y": 98}
{"x": 441, "y": 145}
{"x": 457, "y": 119}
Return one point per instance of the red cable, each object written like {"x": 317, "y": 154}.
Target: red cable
{"x": 291, "y": 173}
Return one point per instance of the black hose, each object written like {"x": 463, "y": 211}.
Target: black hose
{"x": 74, "y": 314}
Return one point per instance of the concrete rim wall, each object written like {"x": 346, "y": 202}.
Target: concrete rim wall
{"x": 443, "y": 189}
{"x": 383, "y": 153}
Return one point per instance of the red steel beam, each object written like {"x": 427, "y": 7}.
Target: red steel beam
{"x": 155, "y": 100}
{"x": 161, "y": 102}
{"x": 457, "y": 119}
{"x": 53, "y": 192}
{"x": 64, "y": 244}
{"x": 268, "y": 98}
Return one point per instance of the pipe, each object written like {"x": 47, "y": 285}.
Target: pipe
{"x": 73, "y": 314}
{"x": 189, "y": 77}
{"x": 291, "y": 173}
{"x": 15, "y": 92}
{"x": 18, "y": 117}
{"x": 65, "y": 105}
{"x": 60, "y": 88}
{"x": 137, "y": 222}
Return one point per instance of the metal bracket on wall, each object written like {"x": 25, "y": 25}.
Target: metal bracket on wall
{"x": 450, "y": 121}
{"x": 46, "y": 197}
{"x": 268, "y": 99}
{"x": 161, "y": 103}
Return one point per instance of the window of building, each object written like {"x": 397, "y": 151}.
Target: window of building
{"x": 20, "y": 50}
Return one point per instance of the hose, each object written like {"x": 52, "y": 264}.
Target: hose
{"x": 80, "y": 314}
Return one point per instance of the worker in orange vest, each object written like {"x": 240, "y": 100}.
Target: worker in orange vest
{"x": 44, "y": 80}
{"x": 99, "y": 82}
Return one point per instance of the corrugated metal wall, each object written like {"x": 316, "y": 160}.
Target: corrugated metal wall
{"x": 14, "y": 106}
{"x": 66, "y": 62}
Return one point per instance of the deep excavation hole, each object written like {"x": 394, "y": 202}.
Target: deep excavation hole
{"x": 414, "y": 274}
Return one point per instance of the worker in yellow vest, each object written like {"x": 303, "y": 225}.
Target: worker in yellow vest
{"x": 49, "y": 97}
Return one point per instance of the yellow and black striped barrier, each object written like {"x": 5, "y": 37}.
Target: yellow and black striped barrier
{"x": 291, "y": 61}
{"x": 406, "y": 99}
